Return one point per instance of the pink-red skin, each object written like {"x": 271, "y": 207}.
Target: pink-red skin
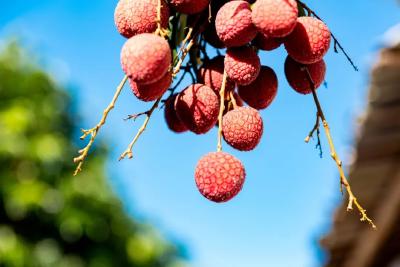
{"x": 260, "y": 93}
{"x": 309, "y": 41}
{"x": 275, "y": 18}
{"x": 212, "y": 73}
{"x": 189, "y": 6}
{"x": 219, "y": 176}
{"x": 197, "y": 107}
{"x": 263, "y": 42}
{"x": 152, "y": 91}
{"x": 145, "y": 58}
{"x": 242, "y": 65}
{"x": 242, "y": 128}
{"x": 134, "y": 17}
{"x": 297, "y": 76}
{"x": 171, "y": 118}
{"x": 234, "y": 25}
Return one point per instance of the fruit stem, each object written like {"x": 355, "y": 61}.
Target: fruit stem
{"x": 343, "y": 179}
{"x": 221, "y": 111}
{"x": 233, "y": 100}
{"x": 160, "y": 31}
{"x": 128, "y": 152}
{"x": 83, "y": 153}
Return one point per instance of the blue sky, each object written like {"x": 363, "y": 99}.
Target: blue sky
{"x": 290, "y": 193}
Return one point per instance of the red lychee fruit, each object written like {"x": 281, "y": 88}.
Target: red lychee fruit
{"x": 233, "y": 24}
{"x": 197, "y": 107}
{"x": 309, "y": 41}
{"x": 189, "y": 6}
{"x": 134, "y": 17}
{"x": 298, "y": 78}
{"x": 242, "y": 65}
{"x": 275, "y": 18}
{"x": 173, "y": 122}
{"x": 219, "y": 176}
{"x": 242, "y": 128}
{"x": 267, "y": 43}
{"x": 152, "y": 91}
{"x": 260, "y": 93}
{"x": 212, "y": 74}
{"x": 145, "y": 58}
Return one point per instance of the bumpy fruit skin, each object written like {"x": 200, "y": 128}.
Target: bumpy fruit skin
{"x": 189, "y": 6}
{"x": 297, "y": 76}
{"x": 152, "y": 91}
{"x": 242, "y": 65}
{"x": 242, "y": 128}
{"x": 173, "y": 122}
{"x": 219, "y": 176}
{"x": 260, "y": 93}
{"x": 212, "y": 73}
{"x": 134, "y": 17}
{"x": 309, "y": 41}
{"x": 267, "y": 43}
{"x": 145, "y": 58}
{"x": 275, "y": 18}
{"x": 197, "y": 107}
{"x": 233, "y": 24}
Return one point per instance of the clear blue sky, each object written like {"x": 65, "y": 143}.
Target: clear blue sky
{"x": 290, "y": 193}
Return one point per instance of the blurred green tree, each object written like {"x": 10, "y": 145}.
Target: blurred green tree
{"x": 47, "y": 216}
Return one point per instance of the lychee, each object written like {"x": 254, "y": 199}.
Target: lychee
{"x": 134, "y": 17}
{"x": 189, "y": 6}
{"x": 275, "y": 18}
{"x": 173, "y": 122}
{"x": 309, "y": 41}
{"x": 260, "y": 93}
{"x": 152, "y": 91}
{"x": 267, "y": 43}
{"x": 298, "y": 78}
{"x": 212, "y": 73}
{"x": 219, "y": 176}
{"x": 233, "y": 24}
{"x": 145, "y": 58}
{"x": 197, "y": 107}
{"x": 242, "y": 128}
{"x": 242, "y": 65}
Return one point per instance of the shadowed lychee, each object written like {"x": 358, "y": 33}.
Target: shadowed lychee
{"x": 145, "y": 58}
{"x": 267, "y": 43}
{"x": 298, "y": 78}
{"x": 275, "y": 18}
{"x": 309, "y": 41}
{"x": 173, "y": 122}
{"x": 242, "y": 128}
{"x": 133, "y": 17}
{"x": 242, "y": 65}
{"x": 219, "y": 176}
{"x": 212, "y": 73}
{"x": 233, "y": 24}
{"x": 189, "y": 6}
{"x": 260, "y": 93}
{"x": 197, "y": 107}
{"x": 152, "y": 91}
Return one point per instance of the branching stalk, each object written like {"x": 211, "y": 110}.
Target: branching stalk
{"x": 221, "y": 111}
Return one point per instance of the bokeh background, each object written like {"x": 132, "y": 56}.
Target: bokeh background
{"x": 59, "y": 67}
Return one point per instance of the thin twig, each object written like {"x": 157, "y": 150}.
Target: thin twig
{"x": 221, "y": 111}
{"x": 83, "y": 153}
{"x": 160, "y": 31}
{"x": 343, "y": 179}
{"x": 128, "y": 152}
{"x": 316, "y": 130}
{"x": 336, "y": 41}
{"x": 233, "y": 100}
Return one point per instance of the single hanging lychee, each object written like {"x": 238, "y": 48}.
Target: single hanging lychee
{"x": 242, "y": 128}
{"x": 173, "y": 122}
{"x": 197, "y": 107}
{"x": 309, "y": 41}
{"x": 212, "y": 73}
{"x": 145, "y": 58}
{"x": 219, "y": 176}
{"x": 242, "y": 65}
{"x": 297, "y": 76}
{"x": 260, "y": 93}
